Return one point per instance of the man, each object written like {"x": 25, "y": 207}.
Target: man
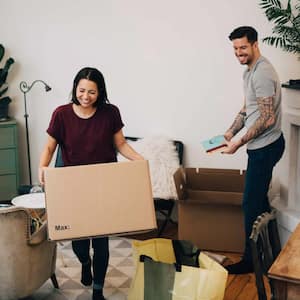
{"x": 261, "y": 115}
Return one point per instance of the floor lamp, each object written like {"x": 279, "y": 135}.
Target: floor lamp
{"x": 25, "y": 89}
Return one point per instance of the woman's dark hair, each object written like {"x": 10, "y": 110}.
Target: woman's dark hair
{"x": 95, "y": 76}
{"x": 244, "y": 31}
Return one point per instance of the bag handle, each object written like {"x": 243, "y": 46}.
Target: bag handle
{"x": 146, "y": 257}
{"x": 143, "y": 257}
{"x": 181, "y": 254}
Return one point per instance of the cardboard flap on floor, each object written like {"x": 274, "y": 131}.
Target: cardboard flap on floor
{"x": 97, "y": 200}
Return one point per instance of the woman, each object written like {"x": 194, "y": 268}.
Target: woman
{"x": 89, "y": 131}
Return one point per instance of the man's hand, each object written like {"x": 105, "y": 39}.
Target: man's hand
{"x": 232, "y": 147}
{"x": 228, "y": 135}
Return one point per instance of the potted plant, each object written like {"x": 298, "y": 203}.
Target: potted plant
{"x": 4, "y": 101}
{"x": 286, "y": 32}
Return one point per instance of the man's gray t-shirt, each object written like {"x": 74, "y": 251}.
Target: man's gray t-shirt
{"x": 262, "y": 81}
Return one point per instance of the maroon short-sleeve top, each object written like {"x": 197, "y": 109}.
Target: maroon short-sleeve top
{"x": 86, "y": 141}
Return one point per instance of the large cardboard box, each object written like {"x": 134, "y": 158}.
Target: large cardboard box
{"x": 210, "y": 208}
{"x": 97, "y": 200}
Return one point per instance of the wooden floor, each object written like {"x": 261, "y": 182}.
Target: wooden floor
{"x": 239, "y": 287}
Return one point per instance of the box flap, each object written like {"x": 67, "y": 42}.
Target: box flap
{"x": 226, "y": 180}
{"x": 214, "y": 197}
{"x": 180, "y": 183}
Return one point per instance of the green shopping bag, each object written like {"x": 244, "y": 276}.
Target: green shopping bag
{"x": 173, "y": 270}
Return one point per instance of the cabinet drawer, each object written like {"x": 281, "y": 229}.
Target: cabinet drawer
{"x": 7, "y": 161}
{"x": 8, "y": 187}
{"x": 7, "y": 137}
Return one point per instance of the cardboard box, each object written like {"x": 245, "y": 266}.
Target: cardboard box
{"x": 209, "y": 208}
{"x": 96, "y": 200}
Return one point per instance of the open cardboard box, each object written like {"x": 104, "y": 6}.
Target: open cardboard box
{"x": 209, "y": 208}
{"x": 96, "y": 200}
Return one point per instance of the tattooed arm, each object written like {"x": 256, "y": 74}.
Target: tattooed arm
{"x": 265, "y": 120}
{"x": 237, "y": 124}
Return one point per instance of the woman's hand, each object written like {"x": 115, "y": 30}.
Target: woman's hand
{"x": 46, "y": 157}
{"x": 124, "y": 148}
{"x": 41, "y": 176}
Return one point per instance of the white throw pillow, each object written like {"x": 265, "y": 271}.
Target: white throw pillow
{"x": 163, "y": 162}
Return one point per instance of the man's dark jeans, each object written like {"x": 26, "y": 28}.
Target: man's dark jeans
{"x": 258, "y": 177}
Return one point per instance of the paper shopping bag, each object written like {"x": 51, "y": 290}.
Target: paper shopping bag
{"x": 173, "y": 270}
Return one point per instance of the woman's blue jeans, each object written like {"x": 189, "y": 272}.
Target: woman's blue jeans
{"x": 258, "y": 177}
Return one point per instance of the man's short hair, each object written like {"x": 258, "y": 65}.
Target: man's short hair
{"x": 244, "y": 31}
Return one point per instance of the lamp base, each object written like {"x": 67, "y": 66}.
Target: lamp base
{"x": 4, "y": 106}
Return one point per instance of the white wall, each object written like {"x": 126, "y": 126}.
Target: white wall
{"x": 168, "y": 65}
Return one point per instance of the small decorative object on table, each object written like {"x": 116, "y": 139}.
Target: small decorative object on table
{"x": 4, "y": 205}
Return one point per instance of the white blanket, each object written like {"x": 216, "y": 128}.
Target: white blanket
{"x": 163, "y": 162}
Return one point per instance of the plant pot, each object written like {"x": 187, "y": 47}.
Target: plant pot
{"x": 4, "y": 105}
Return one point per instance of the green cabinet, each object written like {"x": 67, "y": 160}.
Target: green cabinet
{"x": 9, "y": 162}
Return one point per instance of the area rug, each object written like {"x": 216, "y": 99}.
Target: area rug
{"x": 68, "y": 271}
{"x": 117, "y": 281}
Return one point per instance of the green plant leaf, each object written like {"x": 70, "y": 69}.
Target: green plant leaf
{"x": 274, "y": 41}
{"x": 4, "y": 71}
{"x": 5, "y": 100}
{"x": 270, "y": 3}
{"x": 2, "y": 92}
{"x": 2, "y": 51}
{"x": 287, "y": 32}
{"x": 292, "y": 49}
{"x": 289, "y": 8}
{"x": 297, "y": 21}
{"x": 278, "y": 16}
